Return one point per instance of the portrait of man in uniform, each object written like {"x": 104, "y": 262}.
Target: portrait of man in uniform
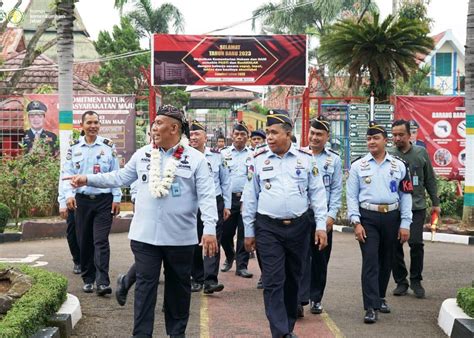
{"x": 36, "y": 111}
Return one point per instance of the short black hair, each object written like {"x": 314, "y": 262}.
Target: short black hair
{"x": 293, "y": 139}
{"x": 88, "y": 113}
{"x": 402, "y": 122}
{"x": 220, "y": 136}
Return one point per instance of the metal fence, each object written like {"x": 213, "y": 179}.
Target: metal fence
{"x": 11, "y": 125}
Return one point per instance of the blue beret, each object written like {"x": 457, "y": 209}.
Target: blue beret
{"x": 275, "y": 116}
{"x": 258, "y": 132}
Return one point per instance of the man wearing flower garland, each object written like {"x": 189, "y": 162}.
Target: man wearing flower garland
{"x": 174, "y": 181}
{"x": 236, "y": 157}
{"x": 205, "y": 271}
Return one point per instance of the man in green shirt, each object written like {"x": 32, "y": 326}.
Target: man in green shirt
{"x": 423, "y": 178}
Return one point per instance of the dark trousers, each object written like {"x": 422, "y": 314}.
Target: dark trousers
{"x": 71, "y": 237}
{"x": 93, "y": 223}
{"x": 177, "y": 262}
{"x": 233, "y": 223}
{"x": 205, "y": 270}
{"x": 281, "y": 249}
{"x": 377, "y": 253}
{"x": 417, "y": 252}
{"x": 131, "y": 276}
{"x": 315, "y": 272}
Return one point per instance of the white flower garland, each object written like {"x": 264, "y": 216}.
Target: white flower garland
{"x": 159, "y": 187}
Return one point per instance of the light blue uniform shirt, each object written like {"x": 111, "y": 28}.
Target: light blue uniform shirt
{"x": 221, "y": 175}
{"x": 370, "y": 182}
{"x": 81, "y": 159}
{"x": 330, "y": 170}
{"x": 237, "y": 161}
{"x": 283, "y": 188}
{"x": 169, "y": 220}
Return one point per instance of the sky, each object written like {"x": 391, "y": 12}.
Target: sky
{"x": 204, "y": 16}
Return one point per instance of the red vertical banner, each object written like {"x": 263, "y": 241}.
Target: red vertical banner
{"x": 442, "y": 127}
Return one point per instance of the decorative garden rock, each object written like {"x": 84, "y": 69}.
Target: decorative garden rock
{"x": 14, "y": 285}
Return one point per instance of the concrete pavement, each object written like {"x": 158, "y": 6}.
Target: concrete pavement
{"x": 238, "y": 310}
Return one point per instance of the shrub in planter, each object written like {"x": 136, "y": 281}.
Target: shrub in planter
{"x": 5, "y": 214}
{"x": 32, "y": 311}
{"x": 465, "y": 300}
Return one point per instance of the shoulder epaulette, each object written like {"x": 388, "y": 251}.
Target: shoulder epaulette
{"x": 215, "y": 150}
{"x": 226, "y": 147}
{"x": 357, "y": 159}
{"x": 73, "y": 142}
{"x": 332, "y": 151}
{"x": 263, "y": 151}
{"x": 400, "y": 159}
{"x": 108, "y": 142}
{"x": 305, "y": 151}
{"x": 261, "y": 146}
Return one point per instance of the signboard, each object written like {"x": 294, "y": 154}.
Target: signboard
{"x": 279, "y": 60}
{"x": 116, "y": 115}
{"x": 359, "y": 115}
{"x": 442, "y": 127}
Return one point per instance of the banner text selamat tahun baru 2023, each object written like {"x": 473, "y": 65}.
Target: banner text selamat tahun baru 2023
{"x": 260, "y": 60}
{"x": 442, "y": 127}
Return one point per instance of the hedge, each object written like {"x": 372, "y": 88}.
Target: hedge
{"x": 465, "y": 299}
{"x": 32, "y": 311}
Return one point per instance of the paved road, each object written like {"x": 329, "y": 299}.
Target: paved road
{"x": 238, "y": 310}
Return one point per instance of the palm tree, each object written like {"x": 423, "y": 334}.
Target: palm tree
{"x": 65, "y": 22}
{"x": 468, "y": 211}
{"x": 149, "y": 20}
{"x": 384, "y": 50}
{"x": 301, "y": 16}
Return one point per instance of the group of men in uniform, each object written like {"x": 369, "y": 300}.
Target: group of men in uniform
{"x": 280, "y": 200}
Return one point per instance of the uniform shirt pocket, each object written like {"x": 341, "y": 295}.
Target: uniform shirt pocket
{"x": 266, "y": 175}
{"x": 184, "y": 173}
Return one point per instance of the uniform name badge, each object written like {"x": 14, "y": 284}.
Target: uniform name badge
{"x": 96, "y": 169}
{"x": 175, "y": 190}
{"x": 393, "y": 186}
{"x": 415, "y": 180}
{"x": 327, "y": 180}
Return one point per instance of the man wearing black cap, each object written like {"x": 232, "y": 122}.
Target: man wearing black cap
{"x": 36, "y": 115}
{"x": 282, "y": 183}
{"x": 330, "y": 168}
{"x": 173, "y": 183}
{"x": 379, "y": 201}
{"x": 257, "y": 138}
{"x": 236, "y": 158}
{"x": 205, "y": 271}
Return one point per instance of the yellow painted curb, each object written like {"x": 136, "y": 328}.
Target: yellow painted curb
{"x": 331, "y": 325}
{"x": 204, "y": 318}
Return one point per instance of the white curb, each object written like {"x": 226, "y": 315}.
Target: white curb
{"x": 449, "y": 312}
{"x": 73, "y": 307}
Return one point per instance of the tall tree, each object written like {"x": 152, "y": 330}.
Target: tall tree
{"x": 381, "y": 49}
{"x": 149, "y": 20}
{"x": 122, "y": 75}
{"x": 468, "y": 210}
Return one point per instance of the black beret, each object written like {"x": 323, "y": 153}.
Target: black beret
{"x": 171, "y": 111}
{"x": 36, "y": 107}
{"x": 275, "y": 116}
{"x": 320, "y": 123}
{"x": 375, "y": 128}
{"x": 413, "y": 124}
{"x": 241, "y": 126}
{"x": 258, "y": 132}
{"x": 196, "y": 125}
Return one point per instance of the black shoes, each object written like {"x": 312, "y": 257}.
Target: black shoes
{"x": 290, "y": 335}
{"x": 88, "y": 288}
{"x": 121, "y": 291}
{"x": 401, "y": 289}
{"x": 244, "y": 273}
{"x": 316, "y": 308}
{"x": 211, "y": 288}
{"x": 227, "y": 266}
{"x": 103, "y": 290}
{"x": 370, "y": 316}
{"x": 76, "y": 269}
{"x": 300, "y": 311}
{"x": 196, "y": 287}
{"x": 260, "y": 284}
{"x": 384, "y": 308}
{"x": 418, "y": 289}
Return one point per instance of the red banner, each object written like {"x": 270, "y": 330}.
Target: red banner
{"x": 229, "y": 60}
{"x": 442, "y": 127}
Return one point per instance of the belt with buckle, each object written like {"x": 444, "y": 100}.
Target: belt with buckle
{"x": 90, "y": 197}
{"x": 383, "y": 208}
{"x": 283, "y": 221}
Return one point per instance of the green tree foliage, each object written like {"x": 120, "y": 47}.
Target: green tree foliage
{"x": 417, "y": 84}
{"x": 415, "y": 11}
{"x": 384, "y": 50}
{"x": 120, "y": 76}
{"x": 176, "y": 96}
{"x": 148, "y": 20}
